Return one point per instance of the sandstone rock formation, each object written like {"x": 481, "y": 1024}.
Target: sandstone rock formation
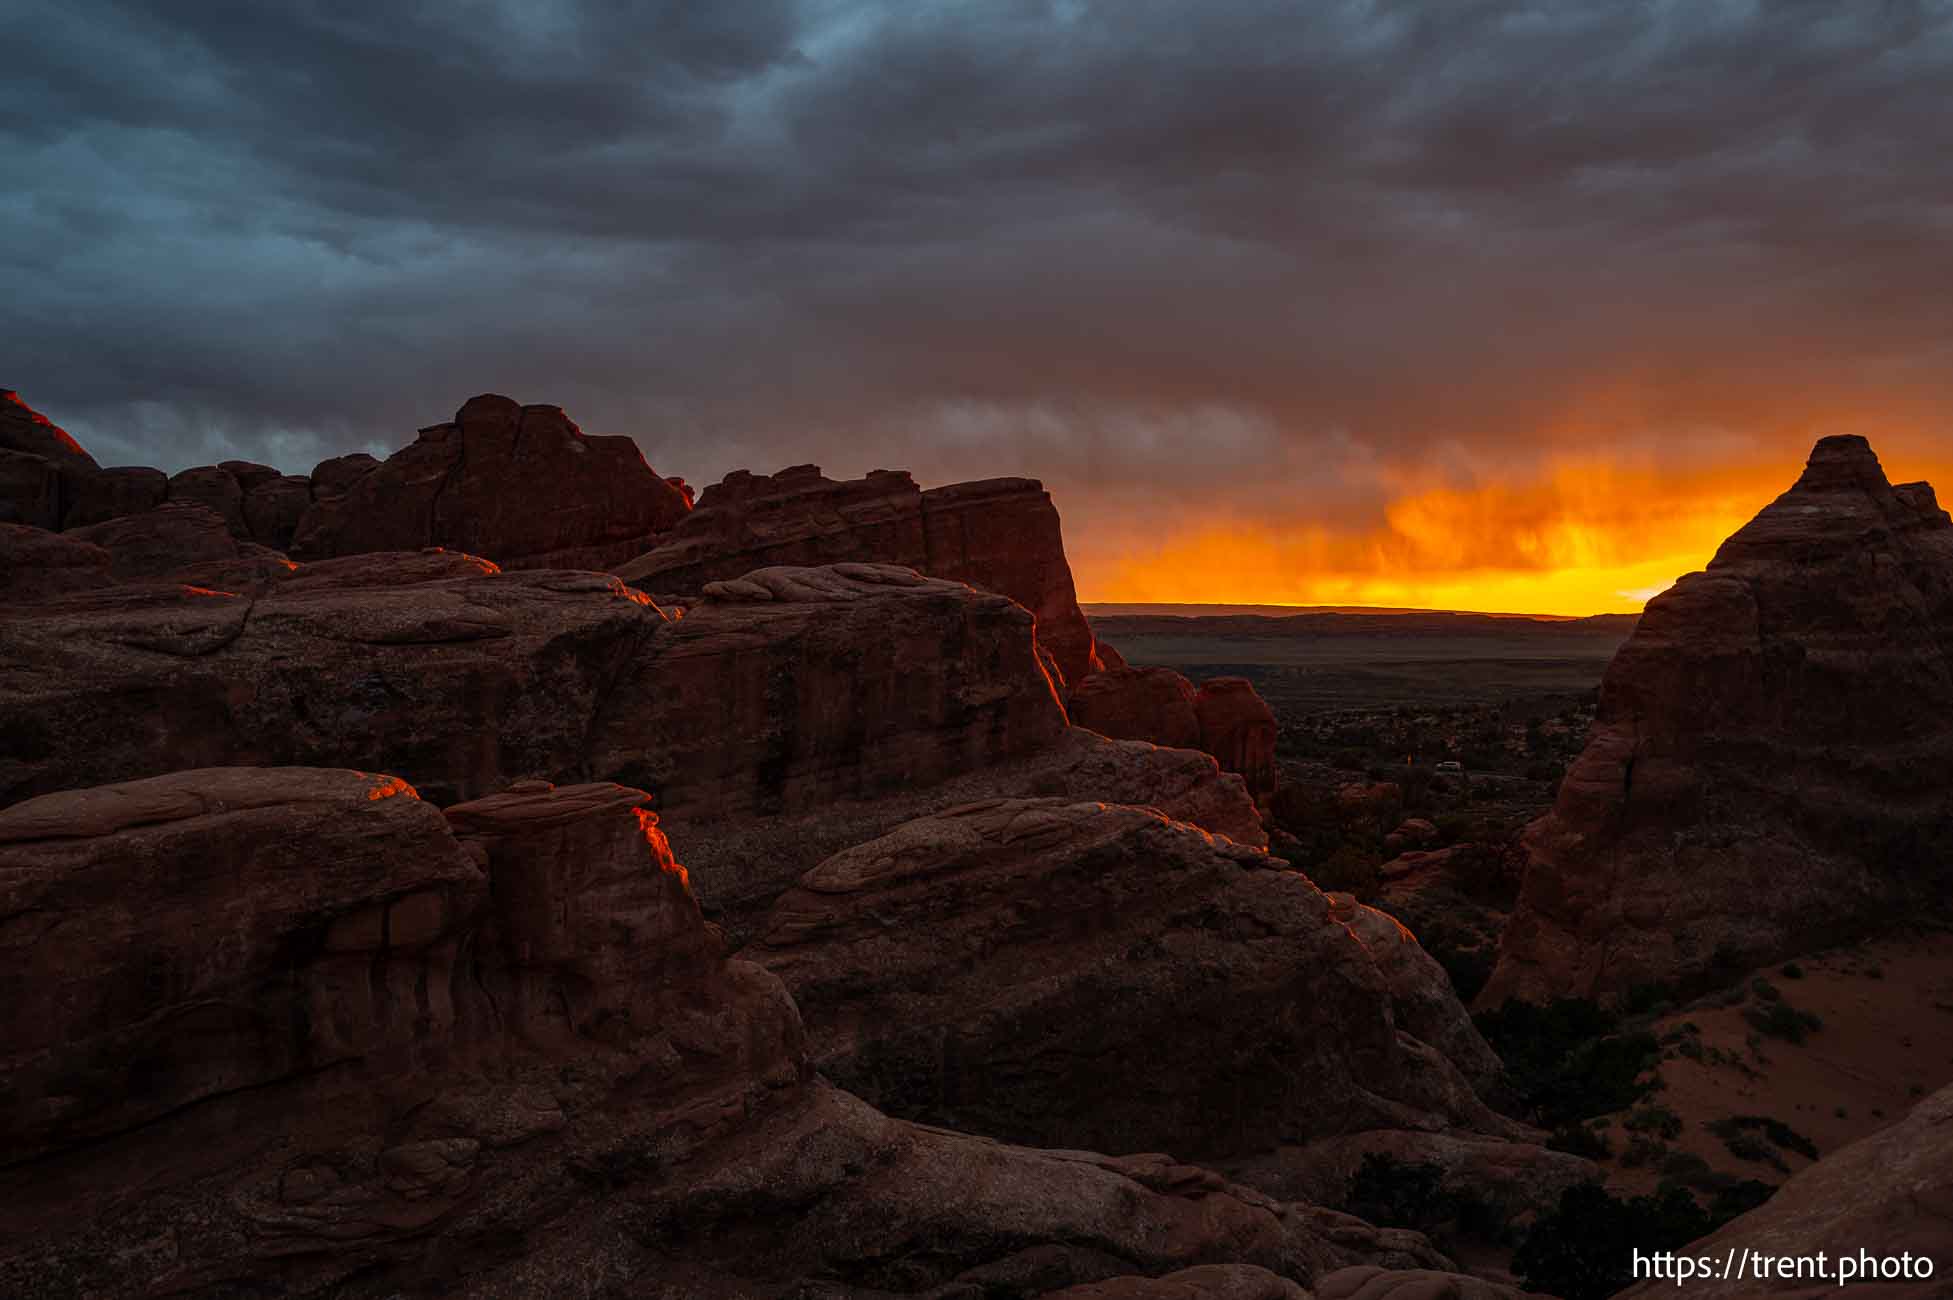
{"x": 36, "y": 564}
{"x": 49, "y": 481}
{"x": 182, "y": 541}
{"x": 1224, "y": 717}
{"x": 39, "y": 462}
{"x": 827, "y": 683}
{"x": 1155, "y": 705}
{"x": 1001, "y": 535}
{"x": 1768, "y": 769}
{"x": 996, "y": 966}
{"x": 787, "y": 716}
{"x": 520, "y": 485}
{"x": 1238, "y": 728}
{"x": 494, "y": 1053}
{"x": 1886, "y": 1195}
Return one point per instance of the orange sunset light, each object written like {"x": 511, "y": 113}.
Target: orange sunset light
{"x": 1583, "y": 537}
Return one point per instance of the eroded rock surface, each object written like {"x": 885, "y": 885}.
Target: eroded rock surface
{"x": 827, "y": 684}
{"x": 995, "y": 966}
{"x": 486, "y": 1054}
{"x": 1768, "y": 769}
{"x": 1001, "y": 535}
{"x": 1224, "y": 716}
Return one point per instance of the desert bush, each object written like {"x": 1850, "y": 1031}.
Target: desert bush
{"x": 1580, "y": 1140}
{"x": 1792, "y": 971}
{"x": 1739, "y": 1198}
{"x": 1781, "y": 1020}
{"x": 1351, "y": 869}
{"x": 1775, "y": 1130}
{"x": 1584, "y": 1248}
{"x": 1660, "y": 1120}
{"x": 1568, "y": 1060}
{"x": 1400, "y": 1193}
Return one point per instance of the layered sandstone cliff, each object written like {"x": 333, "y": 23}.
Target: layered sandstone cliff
{"x": 494, "y": 1052}
{"x": 1000, "y": 535}
{"x": 1768, "y": 770}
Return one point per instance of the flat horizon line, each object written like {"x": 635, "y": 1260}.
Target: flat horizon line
{"x": 1211, "y": 609}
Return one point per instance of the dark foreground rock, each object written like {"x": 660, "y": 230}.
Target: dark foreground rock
{"x": 1768, "y": 772}
{"x": 999, "y": 966}
{"x": 490, "y": 1053}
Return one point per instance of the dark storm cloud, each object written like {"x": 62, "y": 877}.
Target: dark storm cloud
{"x": 1139, "y": 248}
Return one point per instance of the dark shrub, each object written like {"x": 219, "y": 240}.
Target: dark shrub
{"x": 1584, "y": 1249}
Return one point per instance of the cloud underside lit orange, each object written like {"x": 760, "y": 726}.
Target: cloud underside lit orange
{"x": 1580, "y": 538}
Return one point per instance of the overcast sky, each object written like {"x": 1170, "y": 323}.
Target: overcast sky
{"x": 1287, "y": 266}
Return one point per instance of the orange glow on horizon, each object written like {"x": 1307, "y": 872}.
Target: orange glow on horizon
{"x": 1583, "y": 537}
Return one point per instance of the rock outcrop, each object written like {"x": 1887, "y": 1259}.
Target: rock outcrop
{"x": 295, "y": 1032}
{"x": 1225, "y": 717}
{"x": 796, "y": 688}
{"x": 1000, "y": 535}
{"x": 36, "y": 564}
{"x": 1155, "y": 705}
{"x": 1883, "y": 1197}
{"x": 1238, "y": 728}
{"x": 39, "y": 465}
{"x": 994, "y": 966}
{"x": 519, "y": 485}
{"x": 1769, "y": 769}
{"x": 788, "y": 715}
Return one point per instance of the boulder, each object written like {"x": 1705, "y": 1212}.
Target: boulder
{"x": 185, "y": 542}
{"x": 520, "y": 485}
{"x": 273, "y": 506}
{"x": 36, "y": 564}
{"x": 1885, "y": 1196}
{"x": 742, "y": 864}
{"x": 843, "y": 682}
{"x": 295, "y": 1032}
{"x": 1155, "y": 705}
{"x": 135, "y": 1012}
{"x": 990, "y": 967}
{"x": 113, "y": 493}
{"x": 1000, "y": 535}
{"x": 30, "y": 490}
{"x": 1768, "y": 770}
{"x": 334, "y": 477}
{"x": 23, "y": 429}
{"x": 207, "y": 485}
{"x": 1238, "y": 728}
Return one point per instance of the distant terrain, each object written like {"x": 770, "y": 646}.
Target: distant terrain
{"x": 1346, "y": 659}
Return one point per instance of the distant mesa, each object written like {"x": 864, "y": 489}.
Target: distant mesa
{"x": 1768, "y": 772}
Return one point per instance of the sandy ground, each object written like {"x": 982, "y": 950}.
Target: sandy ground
{"x": 1886, "y": 1041}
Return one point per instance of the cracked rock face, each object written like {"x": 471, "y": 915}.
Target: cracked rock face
{"x": 990, "y": 967}
{"x": 1769, "y": 768}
